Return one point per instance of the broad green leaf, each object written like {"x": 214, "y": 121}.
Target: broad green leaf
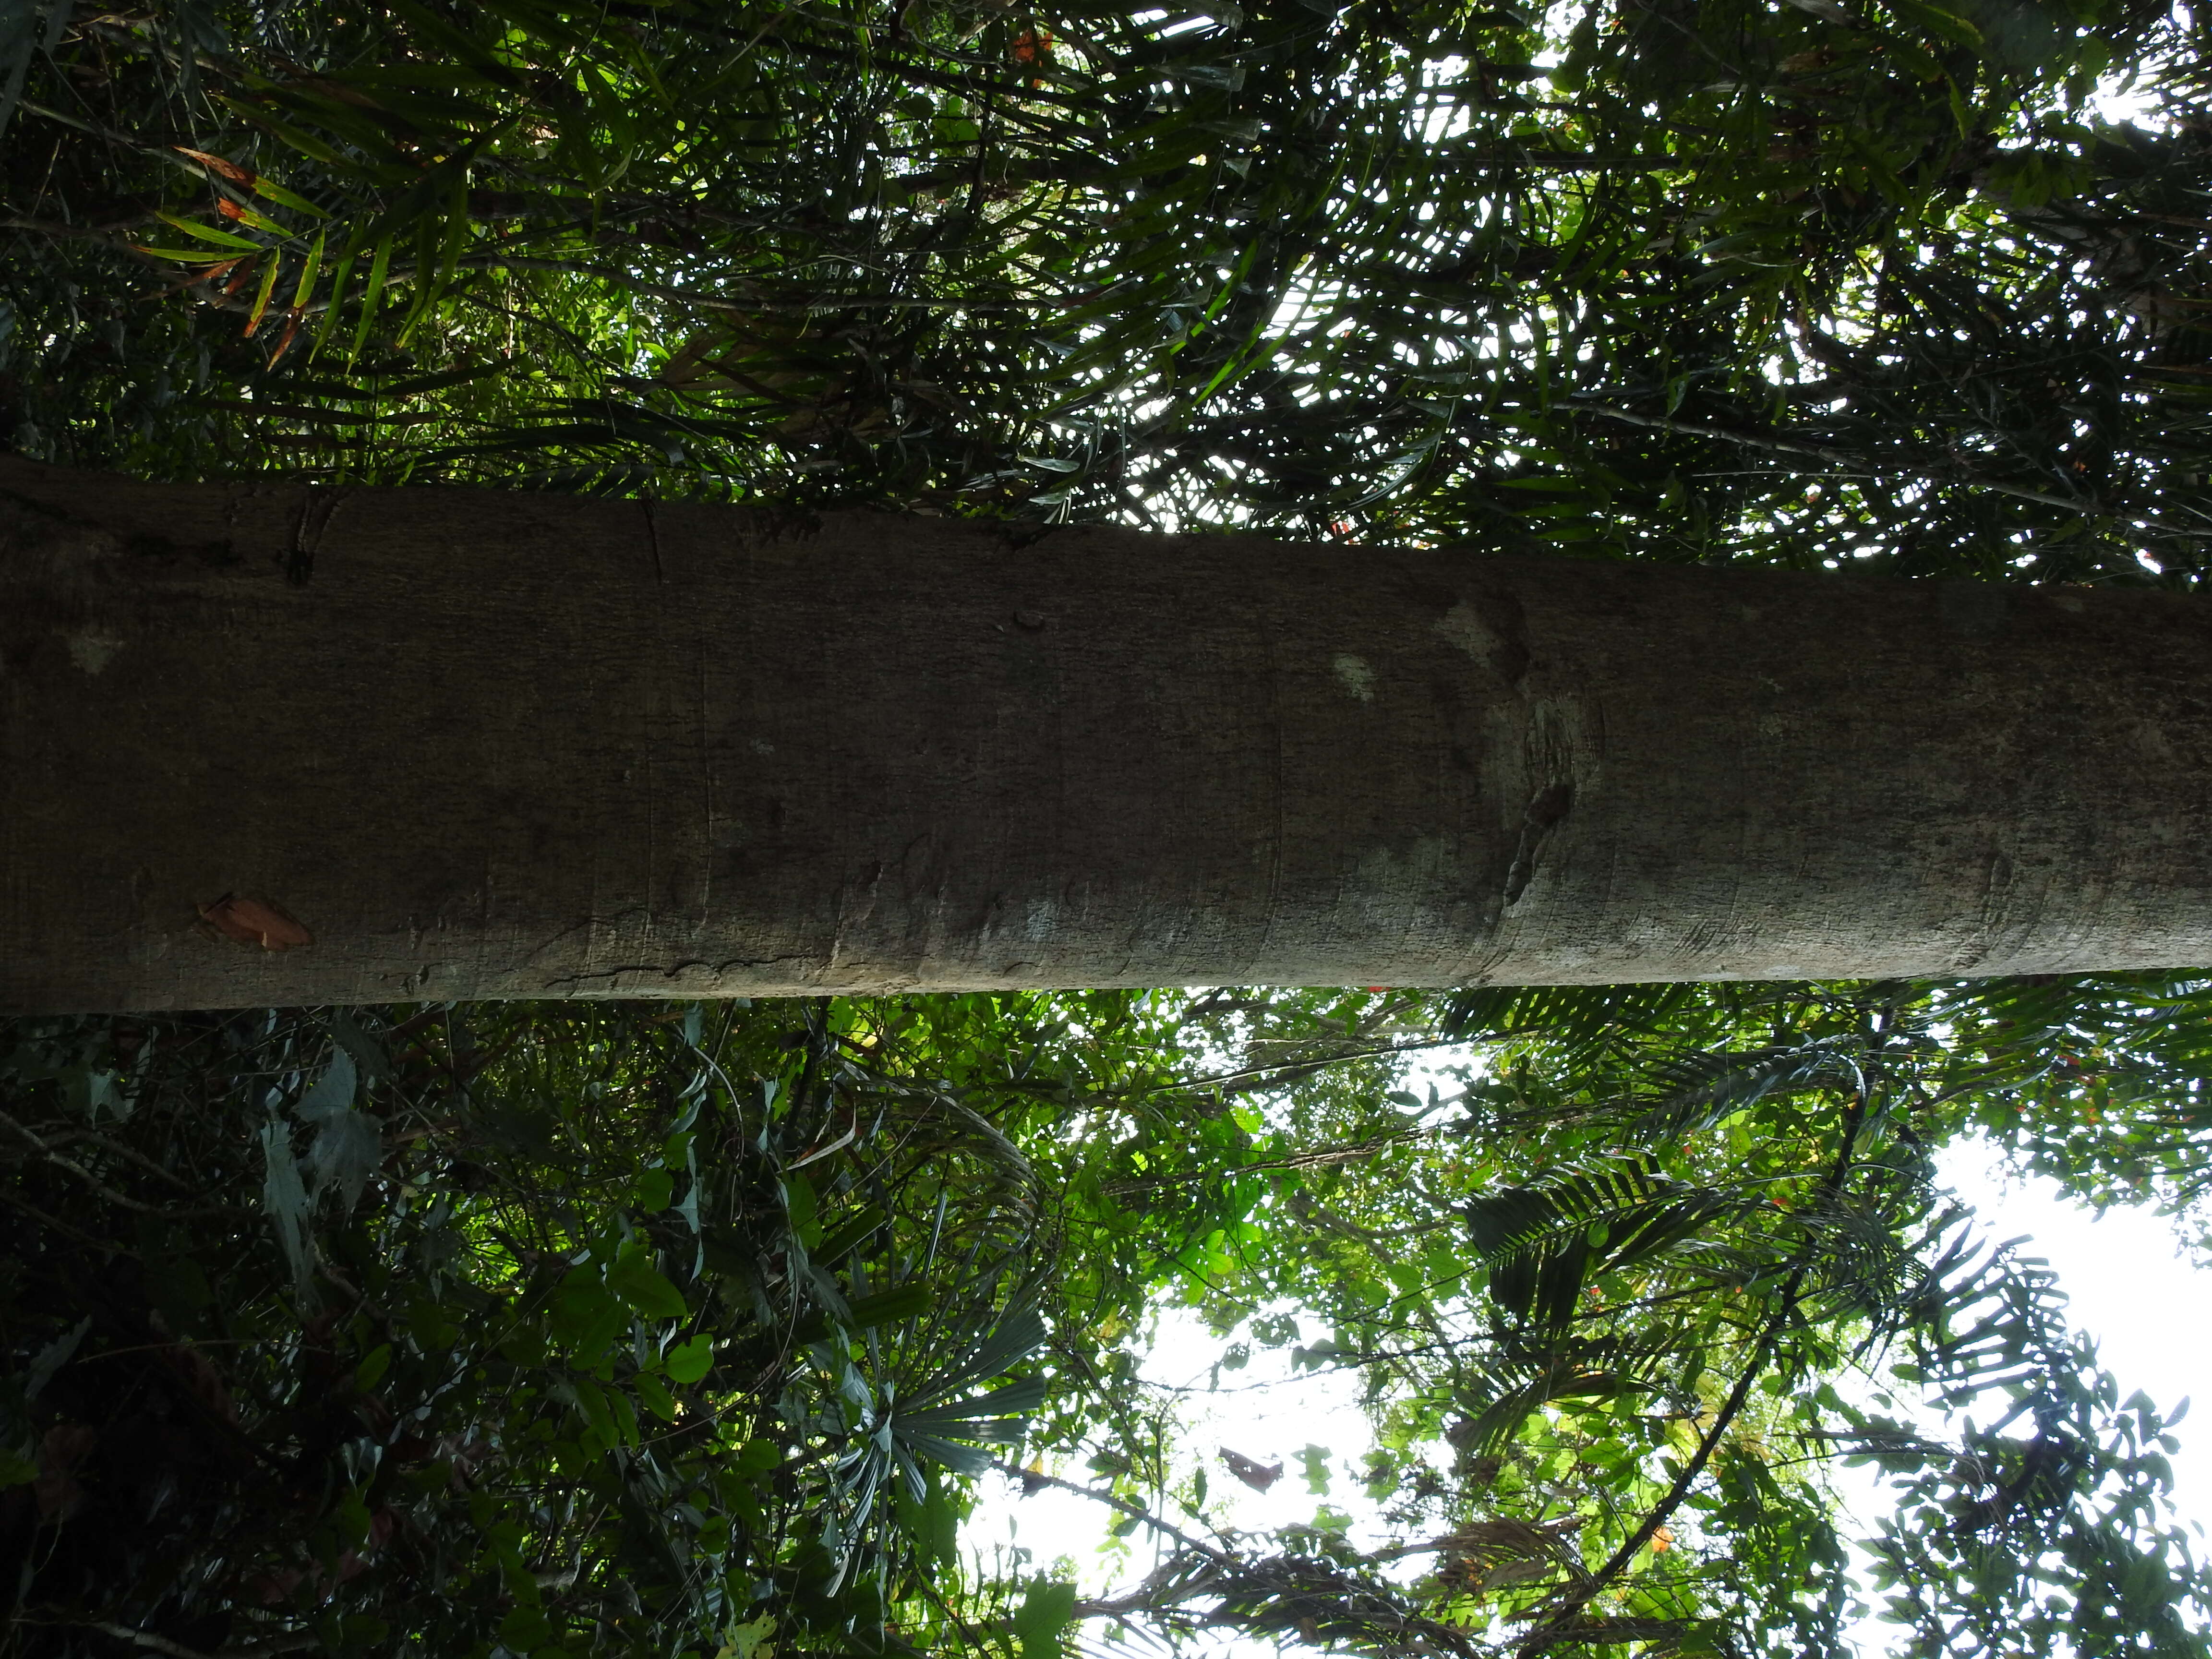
{"x": 652, "y": 1390}
{"x": 586, "y": 1318}
{"x": 633, "y": 1277}
{"x": 689, "y": 1362}
{"x": 1045, "y": 1612}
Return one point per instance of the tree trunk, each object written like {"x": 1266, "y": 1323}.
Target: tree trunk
{"x": 482, "y": 745}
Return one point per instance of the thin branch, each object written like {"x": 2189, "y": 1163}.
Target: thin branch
{"x": 1557, "y": 1626}
{"x": 1135, "y": 1511}
{"x": 116, "y": 1149}
{"x": 1251, "y": 1078}
{"x": 1769, "y": 442}
{"x": 188, "y": 1212}
{"x": 756, "y": 303}
{"x": 147, "y": 1638}
{"x": 61, "y": 232}
{"x": 289, "y": 1642}
{"x": 1323, "y": 1158}
{"x": 1828, "y": 455}
{"x": 107, "y": 1246}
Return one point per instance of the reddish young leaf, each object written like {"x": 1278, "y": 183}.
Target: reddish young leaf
{"x": 207, "y": 274}
{"x": 255, "y": 921}
{"x": 291, "y": 328}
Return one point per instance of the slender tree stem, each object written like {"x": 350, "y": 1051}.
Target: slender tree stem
{"x": 1135, "y": 1511}
{"x": 1776, "y": 444}
{"x": 1554, "y": 1628}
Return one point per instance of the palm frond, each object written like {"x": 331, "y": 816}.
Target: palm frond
{"x": 1544, "y": 1242}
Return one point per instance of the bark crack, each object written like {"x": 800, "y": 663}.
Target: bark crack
{"x": 1540, "y": 818}
{"x": 317, "y": 505}
{"x": 663, "y": 971}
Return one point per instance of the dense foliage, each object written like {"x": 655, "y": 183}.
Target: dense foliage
{"x": 454, "y": 1330}
{"x": 1718, "y": 280}
{"x": 521, "y": 1327}
{"x": 614, "y": 1329}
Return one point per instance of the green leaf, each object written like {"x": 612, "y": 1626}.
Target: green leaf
{"x": 348, "y": 1144}
{"x": 377, "y": 265}
{"x": 800, "y": 1204}
{"x": 1933, "y": 20}
{"x": 907, "y": 1301}
{"x": 851, "y": 1234}
{"x": 634, "y": 1278}
{"x": 593, "y": 1405}
{"x": 1314, "y": 1461}
{"x": 181, "y": 255}
{"x": 688, "y": 1362}
{"x": 587, "y": 1317}
{"x": 284, "y": 1199}
{"x": 309, "y": 269}
{"x": 526, "y": 1628}
{"x": 1046, "y": 1611}
{"x": 625, "y": 1416}
{"x": 658, "y": 1400}
{"x": 271, "y": 265}
{"x": 207, "y": 234}
{"x": 276, "y": 192}
{"x": 371, "y": 1370}
{"x": 52, "y": 1357}
{"x": 256, "y": 220}
{"x": 752, "y": 1638}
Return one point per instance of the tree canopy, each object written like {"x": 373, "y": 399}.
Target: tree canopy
{"x": 1718, "y": 280}
{"x": 614, "y": 1329}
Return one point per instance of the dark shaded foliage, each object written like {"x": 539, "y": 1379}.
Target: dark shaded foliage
{"x": 519, "y": 1326}
{"x": 1720, "y": 281}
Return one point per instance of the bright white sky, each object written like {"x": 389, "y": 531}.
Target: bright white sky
{"x": 2131, "y": 1290}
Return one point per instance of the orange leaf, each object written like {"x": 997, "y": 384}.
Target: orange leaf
{"x": 216, "y": 164}
{"x": 205, "y": 274}
{"x": 291, "y": 328}
{"x": 255, "y": 921}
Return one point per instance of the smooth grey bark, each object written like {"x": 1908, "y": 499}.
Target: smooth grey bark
{"x": 504, "y": 745}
